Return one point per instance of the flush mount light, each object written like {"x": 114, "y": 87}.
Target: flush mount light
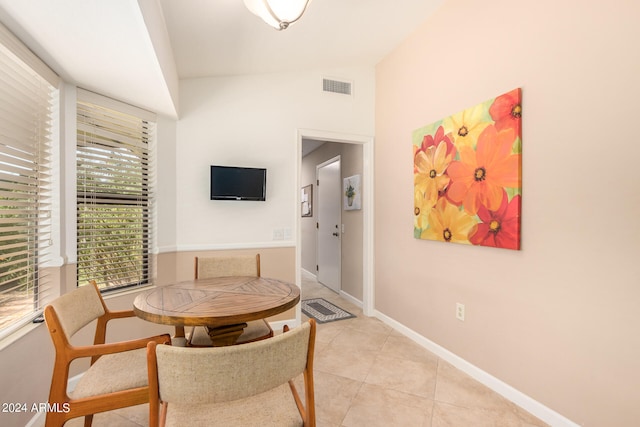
{"x": 278, "y": 13}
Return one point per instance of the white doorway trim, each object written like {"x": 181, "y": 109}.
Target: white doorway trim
{"x": 368, "y": 296}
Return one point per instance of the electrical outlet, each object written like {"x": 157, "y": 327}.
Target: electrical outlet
{"x": 460, "y": 311}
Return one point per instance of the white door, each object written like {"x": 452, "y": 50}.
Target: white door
{"x": 329, "y": 222}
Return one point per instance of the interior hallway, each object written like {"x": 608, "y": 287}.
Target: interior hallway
{"x": 366, "y": 374}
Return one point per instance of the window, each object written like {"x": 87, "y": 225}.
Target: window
{"x": 28, "y": 94}
{"x": 114, "y": 192}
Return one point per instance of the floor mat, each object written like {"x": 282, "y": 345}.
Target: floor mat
{"x": 324, "y": 311}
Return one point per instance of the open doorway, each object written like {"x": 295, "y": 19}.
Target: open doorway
{"x": 355, "y": 226}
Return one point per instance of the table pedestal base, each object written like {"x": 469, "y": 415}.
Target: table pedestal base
{"x": 205, "y": 336}
{"x": 225, "y": 335}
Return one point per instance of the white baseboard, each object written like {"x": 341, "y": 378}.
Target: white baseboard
{"x": 310, "y": 274}
{"x": 530, "y": 405}
{"x": 37, "y": 420}
{"x": 351, "y": 299}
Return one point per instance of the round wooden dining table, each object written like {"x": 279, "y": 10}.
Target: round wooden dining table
{"x": 223, "y": 304}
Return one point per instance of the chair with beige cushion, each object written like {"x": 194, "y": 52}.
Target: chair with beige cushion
{"x": 117, "y": 376}
{"x": 221, "y": 266}
{"x": 242, "y": 385}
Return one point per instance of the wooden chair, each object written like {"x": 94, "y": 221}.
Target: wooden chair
{"x": 241, "y": 385}
{"x": 220, "y": 266}
{"x": 117, "y": 377}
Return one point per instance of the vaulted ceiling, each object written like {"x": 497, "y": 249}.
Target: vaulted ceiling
{"x": 137, "y": 50}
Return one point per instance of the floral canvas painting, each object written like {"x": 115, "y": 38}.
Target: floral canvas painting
{"x": 467, "y": 175}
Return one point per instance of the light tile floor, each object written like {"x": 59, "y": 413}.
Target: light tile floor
{"x": 366, "y": 374}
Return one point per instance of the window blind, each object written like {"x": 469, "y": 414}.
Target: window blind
{"x": 27, "y": 105}
{"x": 114, "y": 192}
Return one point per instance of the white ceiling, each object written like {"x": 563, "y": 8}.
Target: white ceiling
{"x": 136, "y": 50}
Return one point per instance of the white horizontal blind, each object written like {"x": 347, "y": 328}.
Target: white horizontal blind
{"x": 114, "y": 193}
{"x": 27, "y": 104}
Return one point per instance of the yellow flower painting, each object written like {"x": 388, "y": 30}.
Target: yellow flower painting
{"x": 467, "y": 175}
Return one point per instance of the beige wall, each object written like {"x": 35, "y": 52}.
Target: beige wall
{"x": 351, "y": 240}
{"x": 559, "y": 319}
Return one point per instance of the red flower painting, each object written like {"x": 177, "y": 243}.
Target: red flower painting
{"x": 474, "y": 178}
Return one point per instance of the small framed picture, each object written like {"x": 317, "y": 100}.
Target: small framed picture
{"x": 306, "y": 198}
{"x": 351, "y": 193}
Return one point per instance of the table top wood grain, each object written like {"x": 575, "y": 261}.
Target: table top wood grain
{"x": 216, "y": 301}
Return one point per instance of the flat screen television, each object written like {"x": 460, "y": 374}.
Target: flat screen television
{"x": 238, "y": 183}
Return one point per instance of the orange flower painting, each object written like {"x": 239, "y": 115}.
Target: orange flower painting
{"x": 467, "y": 175}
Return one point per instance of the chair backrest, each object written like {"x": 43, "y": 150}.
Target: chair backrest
{"x": 220, "y": 266}
{"x": 77, "y": 308}
{"x": 232, "y": 372}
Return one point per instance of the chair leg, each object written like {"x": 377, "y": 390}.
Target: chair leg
{"x": 88, "y": 419}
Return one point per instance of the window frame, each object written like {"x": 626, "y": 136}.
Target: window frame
{"x": 145, "y": 203}
{"x": 35, "y": 82}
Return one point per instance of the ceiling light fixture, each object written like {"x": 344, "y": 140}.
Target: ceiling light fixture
{"x": 278, "y": 13}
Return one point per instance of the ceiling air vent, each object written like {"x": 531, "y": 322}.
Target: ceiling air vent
{"x": 336, "y": 86}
